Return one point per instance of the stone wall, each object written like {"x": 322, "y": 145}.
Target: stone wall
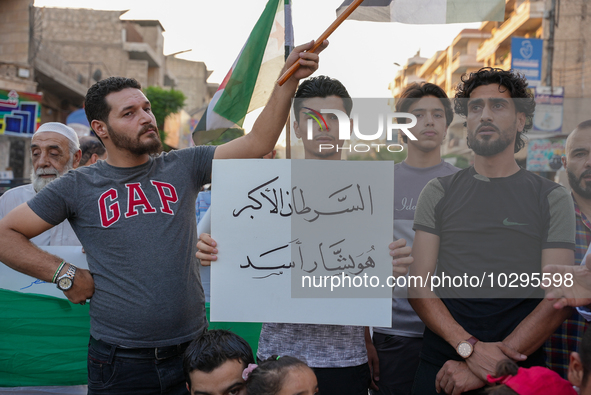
{"x": 14, "y": 46}
{"x": 572, "y": 54}
{"x": 191, "y": 79}
{"x": 14, "y": 30}
{"x": 85, "y": 39}
{"x": 151, "y": 31}
{"x": 137, "y": 69}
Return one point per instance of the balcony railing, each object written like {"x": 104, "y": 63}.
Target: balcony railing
{"x": 461, "y": 63}
{"x": 528, "y": 15}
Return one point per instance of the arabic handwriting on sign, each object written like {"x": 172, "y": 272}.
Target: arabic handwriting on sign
{"x": 341, "y": 196}
{"x": 279, "y": 204}
{"x": 336, "y": 260}
{"x": 311, "y": 270}
{"x": 340, "y": 257}
{"x": 299, "y": 243}
{"x": 269, "y": 275}
{"x": 259, "y": 263}
{"x": 372, "y": 248}
{"x": 348, "y": 199}
{"x": 345, "y": 263}
{"x": 33, "y": 283}
{"x": 305, "y": 209}
{"x": 250, "y": 264}
{"x": 362, "y": 266}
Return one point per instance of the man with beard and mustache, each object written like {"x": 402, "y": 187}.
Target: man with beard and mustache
{"x": 493, "y": 217}
{"x": 55, "y": 151}
{"x": 135, "y": 215}
{"x": 577, "y": 162}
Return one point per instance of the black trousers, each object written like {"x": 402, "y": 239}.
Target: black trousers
{"x": 399, "y": 360}
{"x": 343, "y": 381}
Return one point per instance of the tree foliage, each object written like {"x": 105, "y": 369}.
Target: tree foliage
{"x": 164, "y": 102}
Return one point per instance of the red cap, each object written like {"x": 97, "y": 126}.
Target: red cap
{"x": 536, "y": 380}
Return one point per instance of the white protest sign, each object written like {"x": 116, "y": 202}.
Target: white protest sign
{"x": 15, "y": 281}
{"x": 302, "y": 241}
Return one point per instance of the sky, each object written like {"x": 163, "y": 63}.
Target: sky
{"x": 360, "y": 54}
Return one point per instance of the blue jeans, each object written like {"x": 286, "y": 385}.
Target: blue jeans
{"x": 116, "y": 371}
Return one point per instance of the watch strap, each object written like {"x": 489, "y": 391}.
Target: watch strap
{"x": 470, "y": 342}
{"x": 72, "y": 271}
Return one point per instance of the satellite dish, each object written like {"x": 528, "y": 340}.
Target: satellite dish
{"x": 97, "y": 75}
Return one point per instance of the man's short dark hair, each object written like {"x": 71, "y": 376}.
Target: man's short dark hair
{"x": 95, "y": 105}
{"x": 510, "y": 81}
{"x": 90, "y": 145}
{"x": 212, "y": 349}
{"x": 321, "y": 86}
{"x": 416, "y": 91}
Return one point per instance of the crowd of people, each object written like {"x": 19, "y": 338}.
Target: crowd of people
{"x": 148, "y": 334}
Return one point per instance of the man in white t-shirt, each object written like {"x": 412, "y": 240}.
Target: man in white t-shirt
{"x": 55, "y": 150}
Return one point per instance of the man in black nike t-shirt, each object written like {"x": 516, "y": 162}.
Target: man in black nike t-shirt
{"x": 490, "y": 222}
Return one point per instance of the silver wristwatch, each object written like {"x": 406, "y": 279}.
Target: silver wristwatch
{"x": 66, "y": 281}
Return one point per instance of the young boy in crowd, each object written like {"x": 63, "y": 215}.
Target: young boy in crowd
{"x": 214, "y": 363}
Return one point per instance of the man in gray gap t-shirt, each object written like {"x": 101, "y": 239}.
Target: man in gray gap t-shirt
{"x": 398, "y": 347}
{"x": 135, "y": 216}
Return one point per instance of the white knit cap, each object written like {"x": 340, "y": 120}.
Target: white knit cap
{"x": 60, "y": 128}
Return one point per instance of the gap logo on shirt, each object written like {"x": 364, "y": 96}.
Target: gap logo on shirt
{"x": 110, "y": 210}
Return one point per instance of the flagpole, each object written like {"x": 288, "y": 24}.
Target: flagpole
{"x": 288, "y": 48}
{"x": 288, "y": 138}
{"x": 341, "y": 18}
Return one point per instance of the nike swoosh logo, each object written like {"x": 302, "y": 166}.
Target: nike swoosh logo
{"x": 506, "y": 222}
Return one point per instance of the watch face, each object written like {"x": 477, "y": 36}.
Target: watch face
{"x": 465, "y": 349}
{"x": 64, "y": 283}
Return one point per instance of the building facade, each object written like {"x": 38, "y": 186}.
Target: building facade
{"x": 58, "y": 53}
{"x": 564, "y": 61}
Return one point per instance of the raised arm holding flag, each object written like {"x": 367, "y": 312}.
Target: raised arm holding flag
{"x": 249, "y": 83}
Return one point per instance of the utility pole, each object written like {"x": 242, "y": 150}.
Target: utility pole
{"x": 550, "y": 15}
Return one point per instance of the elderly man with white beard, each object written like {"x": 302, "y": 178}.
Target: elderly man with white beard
{"x": 55, "y": 150}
